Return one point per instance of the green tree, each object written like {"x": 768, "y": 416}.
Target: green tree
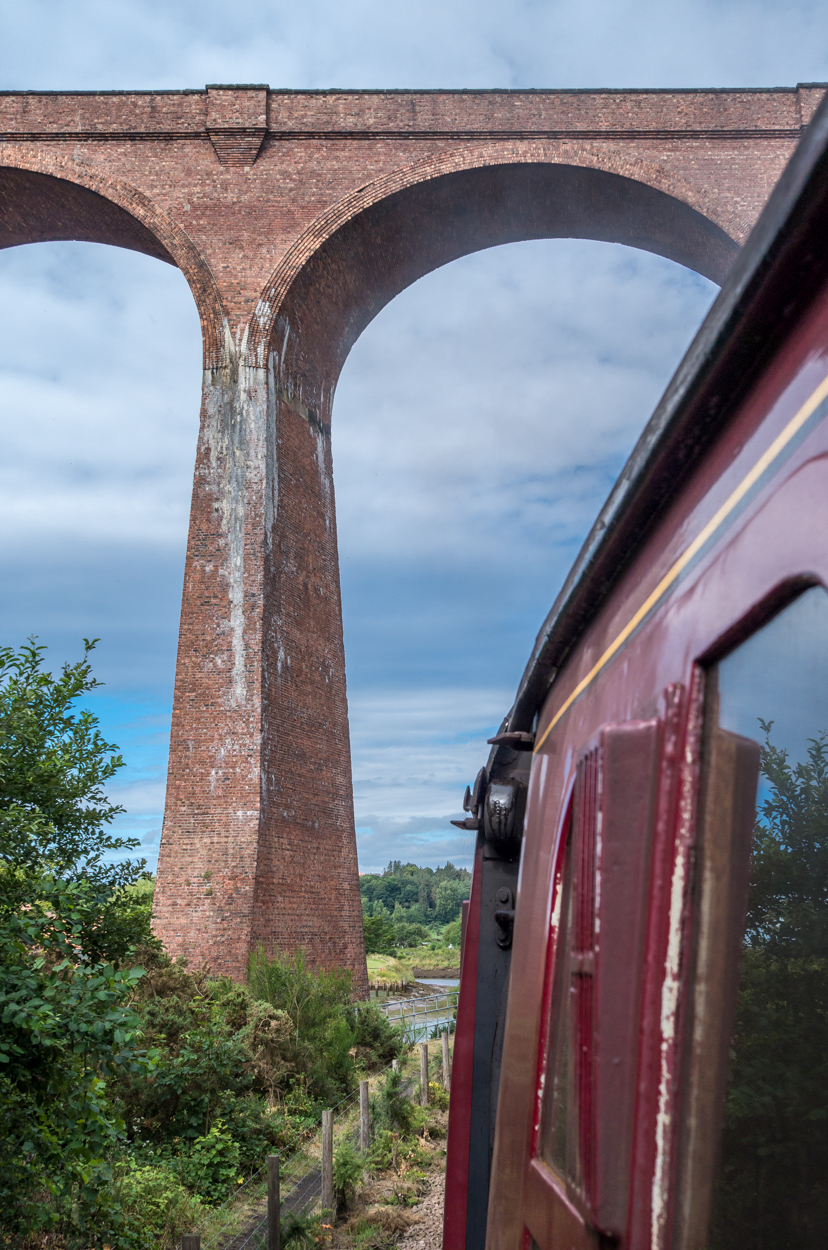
{"x": 54, "y": 812}
{"x": 448, "y": 899}
{"x": 66, "y": 922}
{"x": 410, "y": 934}
{"x": 380, "y": 936}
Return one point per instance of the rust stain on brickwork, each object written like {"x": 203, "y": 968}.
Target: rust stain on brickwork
{"x": 295, "y": 217}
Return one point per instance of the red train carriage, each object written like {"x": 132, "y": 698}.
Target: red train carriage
{"x": 642, "y": 1044}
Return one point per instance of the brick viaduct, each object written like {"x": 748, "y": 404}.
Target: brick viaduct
{"x": 295, "y": 216}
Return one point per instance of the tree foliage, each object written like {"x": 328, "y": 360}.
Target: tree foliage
{"x": 330, "y": 1033}
{"x": 65, "y": 926}
{"x": 410, "y": 894}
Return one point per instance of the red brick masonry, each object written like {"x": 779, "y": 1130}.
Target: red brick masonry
{"x": 295, "y": 216}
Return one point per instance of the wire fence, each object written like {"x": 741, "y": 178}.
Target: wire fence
{"x": 300, "y": 1181}
{"x": 240, "y": 1223}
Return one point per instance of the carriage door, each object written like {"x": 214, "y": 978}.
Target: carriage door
{"x": 579, "y": 1183}
{"x": 754, "y": 1150}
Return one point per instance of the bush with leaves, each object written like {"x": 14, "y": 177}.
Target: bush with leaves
{"x": 438, "y": 1096}
{"x": 300, "y": 1230}
{"x": 155, "y": 1204}
{"x": 391, "y": 1107}
{"x": 375, "y": 1040}
{"x": 66, "y": 925}
{"x": 66, "y": 1027}
{"x": 219, "y": 1056}
{"x": 348, "y": 1169}
{"x": 210, "y": 1168}
{"x": 330, "y": 1034}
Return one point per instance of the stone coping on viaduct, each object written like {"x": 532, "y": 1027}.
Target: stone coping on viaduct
{"x": 334, "y": 113}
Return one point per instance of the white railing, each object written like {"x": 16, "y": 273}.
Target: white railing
{"x": 421, "y": 1016}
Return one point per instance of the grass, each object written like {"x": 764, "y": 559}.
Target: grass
{"x": 426, "y": 960}
{"x": 408, "y": 963}
{"x": 386, "y": 970}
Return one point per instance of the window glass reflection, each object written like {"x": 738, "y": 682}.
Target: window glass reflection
{"x": 772, "y": 1183}
{"x": 556, "y": 1109}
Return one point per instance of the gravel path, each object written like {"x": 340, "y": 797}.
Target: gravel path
{"x": 429, "y": 1234}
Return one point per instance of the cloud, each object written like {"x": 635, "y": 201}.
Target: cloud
{"x": 504, "y": 390}
{"x": 100, "y": 372}
{"x": 94, "y": 446}
{"x": 414, "y": 751}
{"x": 368, "y": 43}
{"x": 479, "y": 424}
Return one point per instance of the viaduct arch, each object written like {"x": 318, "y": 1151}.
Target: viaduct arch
{"x": 295, "y": 217}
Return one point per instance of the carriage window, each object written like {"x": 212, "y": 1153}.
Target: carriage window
{"x": 567, "y": 1136}
{"x": 555, "y": 1122}
{"x": 771, "y": 1186}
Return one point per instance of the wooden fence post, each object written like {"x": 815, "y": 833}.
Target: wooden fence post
{"x": 327, "y": 1161}
{"x": 364, "y": 1119}
{"x": 395, "y": 1065}
{"x": 274, "y": 1214}
{"x": 191, "y": 1241}
{"x": 423, "y": 1074}
{"x": 446, "y": 1063}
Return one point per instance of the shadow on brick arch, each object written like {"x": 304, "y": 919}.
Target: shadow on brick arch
{"x": 354, "y": 259}
{"x": 46, "y": 199}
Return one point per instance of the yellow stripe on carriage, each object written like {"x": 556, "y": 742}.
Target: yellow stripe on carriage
{"x": 762, "y": 464}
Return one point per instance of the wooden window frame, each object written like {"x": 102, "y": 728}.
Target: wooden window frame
{"x": 727, "y": 808}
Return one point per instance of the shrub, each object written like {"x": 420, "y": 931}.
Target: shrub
{"x": 210, "y": 1168}
{"x": 156, "y": 1207}
{"x": 65, "y": 1026}
{"x": 383, "y": 1150}
{"x": 328, "y": 1032}
{"x": 376, "y": 1039}
{"x": 392, "y": 1108}
{"x": 437, "y": 1096}
{"x": 66, "y": 924}
{"x": 219, "y": 1054}
{"x": 310, "y": 997}
{"x": 380, "y": 935}
{"x": 348, "y": 1167}
{"x": 299, "y": 1231}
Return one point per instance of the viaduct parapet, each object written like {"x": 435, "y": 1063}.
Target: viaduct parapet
{"x": 295, "y": 217}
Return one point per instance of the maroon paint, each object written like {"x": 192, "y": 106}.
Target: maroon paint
{"x": 628, "y": 758}
{"x": 779, "y": 537}
{"x": 460, "y": 1107}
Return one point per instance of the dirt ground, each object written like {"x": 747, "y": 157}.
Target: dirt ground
{"x": 429, "y": 1234}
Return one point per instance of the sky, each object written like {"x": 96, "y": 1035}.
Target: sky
{"x": 479, "y": 422}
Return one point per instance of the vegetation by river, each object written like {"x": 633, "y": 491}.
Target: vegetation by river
{"x": 136, "y": 1091}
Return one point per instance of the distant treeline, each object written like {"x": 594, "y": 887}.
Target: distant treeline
{"x": 401, "y": 905}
